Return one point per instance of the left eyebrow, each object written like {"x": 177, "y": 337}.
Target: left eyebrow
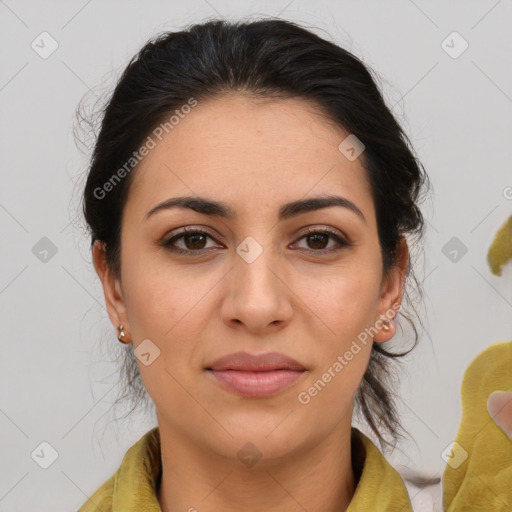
{"x": 288, "y": 210}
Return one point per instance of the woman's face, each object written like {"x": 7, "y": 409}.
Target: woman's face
{"x": 254, "y": 281}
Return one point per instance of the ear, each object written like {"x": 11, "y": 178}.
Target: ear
{"x": 112, "y": 289}
{"x": 391, "y": 293}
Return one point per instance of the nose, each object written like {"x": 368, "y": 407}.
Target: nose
{"x": 258, "y": 297}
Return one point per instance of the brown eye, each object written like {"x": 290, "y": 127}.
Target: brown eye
{"x": 317, "y": 241}
{"x": 193, "y": 242}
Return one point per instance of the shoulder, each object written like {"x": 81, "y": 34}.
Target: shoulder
{"x": 101, "y": 499}
{"x": 133, "y": 485}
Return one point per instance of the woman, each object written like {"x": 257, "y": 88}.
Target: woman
{"x": 251, "y": 202}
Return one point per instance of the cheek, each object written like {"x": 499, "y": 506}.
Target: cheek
{"x": 346, "y": 303}
{"x": 172, "y": 309}
{"x": 160, "y": 307}
{"x": 331, "y": 390}
{"x": 346, "y": 308}
{"x": 156, "y": 295}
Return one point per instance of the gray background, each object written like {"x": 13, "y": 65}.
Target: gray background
{"x": 58, "y": 381}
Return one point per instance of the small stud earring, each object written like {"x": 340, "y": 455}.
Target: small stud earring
{"x": 386, "y": 326}
{"x": 121, "y": 335}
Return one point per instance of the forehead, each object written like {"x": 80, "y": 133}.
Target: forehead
{"x": 251, "y": 153}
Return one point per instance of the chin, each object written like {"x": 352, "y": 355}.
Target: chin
{"x": 269, "y": 441}
{"x": 261, "y": 452}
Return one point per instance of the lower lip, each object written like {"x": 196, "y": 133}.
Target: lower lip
{"x": 256, "y": 384}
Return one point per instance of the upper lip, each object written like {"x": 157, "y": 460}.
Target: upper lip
{"x": 243, "y": 361}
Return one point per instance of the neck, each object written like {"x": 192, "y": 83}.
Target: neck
{"x": 320, "y": 478}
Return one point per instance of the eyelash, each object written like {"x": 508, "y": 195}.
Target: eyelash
{"x": 167, "y": 244}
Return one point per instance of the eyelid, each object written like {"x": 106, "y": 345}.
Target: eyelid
{"x": 185, "y": 230}
{"x": 325, "y": 229}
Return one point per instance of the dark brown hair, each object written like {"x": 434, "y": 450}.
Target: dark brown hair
{"x": 276, "y": 59}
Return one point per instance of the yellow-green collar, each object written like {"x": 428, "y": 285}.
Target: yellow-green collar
{"x": 133, "y": 486}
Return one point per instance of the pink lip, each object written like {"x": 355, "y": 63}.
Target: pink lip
{"x": 256, "y": 375}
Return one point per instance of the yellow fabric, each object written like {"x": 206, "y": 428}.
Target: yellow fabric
{"x": 501, "y": 248}
{"x": 483, "y": 482}
{"x": 380, "y": 487}
{"x": 133, "y": 486}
